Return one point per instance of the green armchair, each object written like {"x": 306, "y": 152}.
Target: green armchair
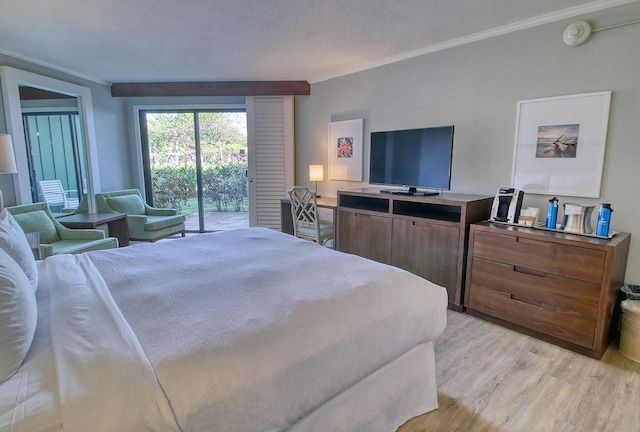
{"x": 145, "y": 222}
{"x": 56, "y": 238}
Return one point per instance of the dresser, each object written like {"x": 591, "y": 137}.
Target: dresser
{"x": 559, "y": 287}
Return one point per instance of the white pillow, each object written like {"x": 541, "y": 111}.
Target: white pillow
{"x": 18, "y": 316}
{"x": 14, "y": 242}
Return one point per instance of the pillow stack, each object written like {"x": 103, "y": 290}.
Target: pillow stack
{"x": 18, "y": 283}
{"x": 15, "y": 244}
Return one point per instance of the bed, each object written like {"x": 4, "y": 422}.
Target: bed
{"x": 245, "y": 330}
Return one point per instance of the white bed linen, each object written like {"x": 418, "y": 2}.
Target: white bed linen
{"x": 382, "y": 401}
{"x": 253, "y": 329}
{"x": 105, "y": 381}
{"x": 321, "y": 336}
{"x": 29, "y": 399}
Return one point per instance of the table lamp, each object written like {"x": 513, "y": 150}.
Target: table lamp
{"x": 7, "y": 160}
{"x": 316, "y": 174}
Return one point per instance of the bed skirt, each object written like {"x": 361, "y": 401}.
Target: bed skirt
{"x": 408, "y": 384}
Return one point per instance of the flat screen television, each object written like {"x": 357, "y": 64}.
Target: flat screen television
{"x": 413, "y": 158}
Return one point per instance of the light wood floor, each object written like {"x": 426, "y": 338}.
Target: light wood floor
{"x": 494, "y": 379}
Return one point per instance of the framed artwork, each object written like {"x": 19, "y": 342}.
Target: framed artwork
{"x": 345, "y": 150}
{"x": 560, "y": 144}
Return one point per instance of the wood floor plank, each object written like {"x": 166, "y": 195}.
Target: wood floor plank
{"x": 494, "y": 379}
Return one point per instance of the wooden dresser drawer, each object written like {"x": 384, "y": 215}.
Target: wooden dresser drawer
{"x": 545, "y": 290}
{"x": 558, "y": 287}
{"x": 566, "y": 325}
{"x": 541, "y": 255}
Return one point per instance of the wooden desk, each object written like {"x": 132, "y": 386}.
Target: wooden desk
{"x": 286, "y": 220}
{"x": 117, "y": 223}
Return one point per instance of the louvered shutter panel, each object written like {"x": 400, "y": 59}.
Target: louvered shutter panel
{"x": 271, "y": 164}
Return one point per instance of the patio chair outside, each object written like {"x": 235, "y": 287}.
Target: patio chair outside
{"x": 56, "y": 197}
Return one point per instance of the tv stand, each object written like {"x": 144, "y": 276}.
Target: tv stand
{"x": 426, "y": 235}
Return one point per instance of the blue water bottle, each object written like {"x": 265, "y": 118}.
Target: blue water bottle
{"x": 604, "y": 220}
{"x": 552, "y": 213}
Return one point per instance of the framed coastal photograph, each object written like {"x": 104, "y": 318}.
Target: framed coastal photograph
{"x": 345, "y": 150}
{"x": 560, "y": 144}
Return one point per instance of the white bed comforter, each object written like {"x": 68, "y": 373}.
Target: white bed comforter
{"x": 105, "y": 381}
{"x": 249, "y": 330}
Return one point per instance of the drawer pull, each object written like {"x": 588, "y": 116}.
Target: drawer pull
{"x": 529, "y": 301}
{"x": 536, "y": 243}
{"x": 529, "y": 272}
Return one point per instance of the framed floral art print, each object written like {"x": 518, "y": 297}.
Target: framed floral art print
{"x": 345, "y": 150}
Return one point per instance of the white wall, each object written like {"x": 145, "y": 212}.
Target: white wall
{"x": 476, "y": 87}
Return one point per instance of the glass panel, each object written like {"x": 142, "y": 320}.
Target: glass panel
{"x": 172, "y": 161}
{"x": 54, "y": 153}
{"x": 197, "y": 163}
{"x": 224, "y": 167}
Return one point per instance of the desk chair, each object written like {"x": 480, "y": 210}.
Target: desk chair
{"x": 306, "y": 220}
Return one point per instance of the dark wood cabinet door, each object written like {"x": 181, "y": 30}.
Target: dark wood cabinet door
{"x": 428, "y": 249}
{"x": 365, "y": 235}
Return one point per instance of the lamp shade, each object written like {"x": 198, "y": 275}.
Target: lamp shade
{"x": 7, "y": 158}
{"x": 316, "y": 172}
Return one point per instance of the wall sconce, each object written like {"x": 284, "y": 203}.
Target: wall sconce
{"x": 7, "y": 160}
{"x": 316, "y": 174}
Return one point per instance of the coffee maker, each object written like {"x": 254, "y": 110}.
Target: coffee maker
{"x": 506, "y": 205}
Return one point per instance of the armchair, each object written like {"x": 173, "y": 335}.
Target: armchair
{"x": 56, "y": 238}
{"x": 145, "y": 222}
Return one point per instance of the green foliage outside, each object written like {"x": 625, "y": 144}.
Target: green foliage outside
{"x": 224, "y": 188}
{"x": 173, "y": 160}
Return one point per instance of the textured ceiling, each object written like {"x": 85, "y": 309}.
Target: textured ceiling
{"x": 216, "y": 40}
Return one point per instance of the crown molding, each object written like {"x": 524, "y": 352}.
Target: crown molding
{"x": 488, "y": 34}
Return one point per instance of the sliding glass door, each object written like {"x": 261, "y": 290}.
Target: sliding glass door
{"x": 196, "y": 161}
